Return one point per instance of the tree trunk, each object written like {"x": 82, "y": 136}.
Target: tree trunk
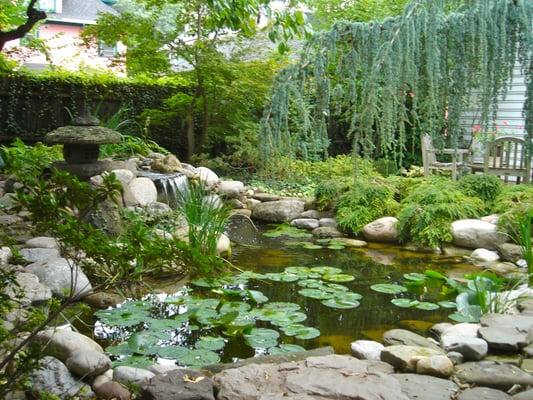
{"x": 19, "y": 32}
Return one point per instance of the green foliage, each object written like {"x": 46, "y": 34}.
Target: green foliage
{"x": 403, "y": 186}
{"x": 427, "y": 213}
{"x": 526, "y": 227}
{"x": 327, "y": 194}
{"x": 366, "y": 201}
{"x": 26, "y": 160}
{"x": 513, "y": 205}
{"x": 131, "y": 146}
{"x": 486, "y": 187}
{"x": 386, "y": 167}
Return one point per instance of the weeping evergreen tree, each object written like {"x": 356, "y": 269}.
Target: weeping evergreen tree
{"x": 404, "y": 76}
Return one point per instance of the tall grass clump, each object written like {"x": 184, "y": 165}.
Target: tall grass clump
{"x": 513, "y": 205}
{"x": 525, "y": 225}
{"x": 427, "y": 213}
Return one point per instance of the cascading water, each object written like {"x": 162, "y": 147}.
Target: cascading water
{"x": 168, "y": 186}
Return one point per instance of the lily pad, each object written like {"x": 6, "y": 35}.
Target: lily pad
{"x": 424, "y": 305}
{"x": 326, "y": 270}
{"x": 172, "y": 352}
{"x": 281, "y": 306}
{"x": 312, "y": 246}
{"x": 198, "y": 358}
{"x": 310, "y": 283}
{"x": 336, "y": 247}
{"x": 261, "y": 338}
{"x": 282, "y": 277}
{"x": 257, "y": 296}
{"x": 230, "y": 306}
{"x": 334, "y": 287}
{"x": 289, "y": 231}
{"x": 338, "y": 277}
{"x": 447, "y": 304}
{"x": 133, "y": 361}
{"x": 388, "y": 288}
{"x": 315, "y": 294}
{"x": 405, "y": 303}
{"x": 341, "y": 303}
{"x": 415, "y": 277}
{"x": 297, "y": 270}
{"x": 122, "y": 349}
{"x": 307, "y": 333}
{"x": 285, "y": 349}
{"x": 210, "y": 343}
{"x": 129, "y": 314}
{"x": 288, "y": 319}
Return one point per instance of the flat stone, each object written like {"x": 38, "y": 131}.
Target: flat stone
{"x": 407, "y": 338}
{"x": 162, "y": 368}
{"x": 305, "y": 223}
{"x": 325, "y": 232}
{"x": 278, "y": 211}
{"x": 43, "y": 242}
{"x": 438, "y": 329}
{"x": 483, "y": 393}
{"x": 61, "y": 343}
{"x": 367, "y": 350}
{"x": 522, "y": 323}
{"x": 33, "y": 255}
{"x": 504, "y": 338}
{"x": 57, "y": 274}
{"x": 55, "y": 379}
{"x": 28, "y": 289}
{"x": 425, "y": 387}
{"x": 112, "y": 391}
{"x": 485, "y": 255}
{"x": 315, "y": 214}
{"x": 5, "y": 255}
{"x": 329, "y": 222}
{"x": 129, "y": 375}
{"x": 503, "y": 268}
{"x": 439, "y": 366}
{"x": 180, "y": 384}
{"x": 404, "y": 358}
{"x": 8, "y": 201}
{"x": 207, "y": 177}
{"x": 471, "y": 348}
{"x": 266, "y": 197}
{"x": 475, "y": 234}
{"x": 139, "y": 192}
{"x": 527, "y": 395}
{"x": 454, "y": 251}
{"x": 382, "y": 230}
{"x": 491, "y": 374}
{"x": 86, "y": 363}
{"x": 251, "y": 203}
{"x": 230, "y": 188}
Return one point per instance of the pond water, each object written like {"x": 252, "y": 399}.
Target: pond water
{"x": 338, "y": 327}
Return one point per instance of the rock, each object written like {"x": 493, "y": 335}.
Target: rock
{"x": 326, "y": 232}
{"x": 264, "y": 197}
{"x": 62, "y": 343}
{"x": 180, "y": 384}
{"x": 438, "y": 329}
{"x": 382, "y": 230}
{"x": 483, "y": 393}
{"x": 471, "y": 348}
{"x": 305, "y": 223}
{"x": 425, "y": 387}
{"x": 367, "y": 350}
{"x": 453, "y": 251}
{"x": 85, "y": 363}
{"x": 162, "y": 368}
{"x": 455, "y": 357}
{"x": 439, "y": 366}
{"x": 207, "y": 177}
{"x": 527, "y": 395}
{"x": 475, "y": 233}
{"x": 404, "y": 358}
{"x": 223, "y": 244}
{"x": 493, "y": 219}
{"x": 124, "y": 176}
{"x": 5, "y": 255}
{"x": 492, "y": 374}
{"x": 167, "y": 164}
{"x": 506, "y": 332}
{"x": 511, "y": 252}
{"x": 230, "y": 188}
{"x": 242, "y": 211}
{"x": 43, "y": 242}
{"x": 36, "y": 254}
{"x": 128, "y": 375}
{"x": 251, "y": 203}
{"x": 112, "y": 391}
{"x": 278, "y": 211}
{"x": 235, "y": 204}
{"x": 351, "y": 242}
{"x": 335, "y": 377}
{"x": 103, "y": 300}
{"x": 328, "y": 222}
{"x": 407, "y": 338}
{"x": 314, "y": 214}
{"x": 503, "y": 268}
{"x": 139, "y": 192}
{"x": 522, "y": 323}
{"x": 485, "y": 255}
{"x": 55, "y": 379}
{"x": 57, "y": 274}
{"x": 8, "y": 201}
{"x": 28, "y": 289}
{"x": 158, "y": 208}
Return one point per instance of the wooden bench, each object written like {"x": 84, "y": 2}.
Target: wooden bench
{"x": 429, "y": 158}
{"x": 504, "y": 157}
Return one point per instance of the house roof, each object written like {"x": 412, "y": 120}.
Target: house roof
{"x": 81, "y": 11}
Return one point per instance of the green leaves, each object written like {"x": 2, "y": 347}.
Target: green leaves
{"x": 388, "y": 288}
{"x": 261, "y": 338}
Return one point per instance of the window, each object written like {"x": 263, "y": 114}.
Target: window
{"x": 48, "y": 5}
{"x": 107, "y": 51}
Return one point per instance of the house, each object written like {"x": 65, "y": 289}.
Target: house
{"x": 61, "y": 34}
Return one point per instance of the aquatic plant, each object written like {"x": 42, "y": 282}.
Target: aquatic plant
{"x": 525, "y": 225}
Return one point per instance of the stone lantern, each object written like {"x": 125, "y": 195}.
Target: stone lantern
{"x": 81, "y": 147}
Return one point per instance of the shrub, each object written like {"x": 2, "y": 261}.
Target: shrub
{"x": 26, "y": 160}
{"x": 327, "y": 194}
{"x": 427, "y": 213}
{"x": 486, "y": 187}
{"x": 386, "y": 167}
{"x": 131, "y": 146}
{"x": 403, "y": 186}
{"x": 366, "y": 201}
{"x": 513, "y": 204}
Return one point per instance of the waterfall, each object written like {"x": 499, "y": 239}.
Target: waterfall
{"x": 168, "y": 185}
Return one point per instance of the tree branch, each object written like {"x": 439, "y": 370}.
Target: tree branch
{"x": 34, "y": 16}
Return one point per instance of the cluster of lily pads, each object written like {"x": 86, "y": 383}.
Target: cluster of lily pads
{"x": 292, "y": 232}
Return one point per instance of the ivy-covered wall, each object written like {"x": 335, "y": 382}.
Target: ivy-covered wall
{"x": 32, "y": 105}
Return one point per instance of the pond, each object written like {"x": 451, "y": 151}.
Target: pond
{"x": 180, "y": 331}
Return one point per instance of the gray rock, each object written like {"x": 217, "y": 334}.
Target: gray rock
{"x": 367, "y": 350}
{"x": 503, "y": 268}
{"x": 167, "y": 164}
{"x": 251, "y": 203}
{"x": 5, "y": 255}
{"x": 36, "y": 254}
{"x": 112, "y": 391}
{"x": 439, "y": 366}
{"x": 510, "y": 252}
{"x": 527, "y": 395}
{"x": 405, "y": 358}
{"x": 407, "y": 338}
{"x": 454, "y": 251}
{"x": 475, "y": 233}
{"x": 162, "y": 368}
{"x": 85, "y": 363}
{"x": 43, "y": 242}
{"x": 180, "y": 384}
{"x": 506, "y": 332}
{"x": 425, "y": 387}
{"x": 158, "y": 208}
{"x": 463, "y": 338}
{"x": 61, "y": 343}
{"x": 28, "y": 289}
{"x": 139, "y": 192}
{"x": 8, "y": 201}
{"x": 266, "y": 197}
{"x": 329, "y": 222}
{"x": 491, "y": 374}
{"x": 230, "y": 188}
{"x": 483, "y": 393}
{"x": 351, "y": 242}
{"x": 314, "y": 214}
{"x": 278, "y": 211}
{"x": 305, "y": 223}
{"x": 522, "y": 323}
{"x": 493, "y": 218}
{"x": 58, "y": 275}
{"x": 438, "y": 329}
{"x": 382, "y": 230}
{"x": 325, "y": 232}
{"x": 207, "y": 177}
{"x": 455, "y": 357}
{"x": 124, "y": 176}
{"x": 485, "y": 255}
{"x": 54, "y": 378}
{"x": 128, "y": 375}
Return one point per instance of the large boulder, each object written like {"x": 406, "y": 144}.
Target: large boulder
{"x": 425, "y": 387}
{"x": 511, "y": 252}
{"x": 439, "y": 366}
{"x": 367, "y": 350}
{"x": 407, "y": 338}
{"x": 278, "y": 211}
{"x": 43, "y": 242}
{"x": 62, "y": 343}
{"x": 230, "y": 189}
{"x": 492, "y": 374}
{"x": 86, "y": 363}
{"x": 60, "y": 275}
{"x": 28, "y": 290}
{"x": 463, "y": 338}
{"x": 305, "y": 223}
{"x": 475, "y": 234}
{"x": 37, "y": 254}
{"x": 167, "y": 164}
{"x": 382, "y": 230}
{"x": 506, "y": 332}
{"x": 405, "y": 358}
{"x": 179, "y": 384}
{"x": 139, "y": 192}
{"x": 207, "y": 177}
{"x": 483, "y": 393}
